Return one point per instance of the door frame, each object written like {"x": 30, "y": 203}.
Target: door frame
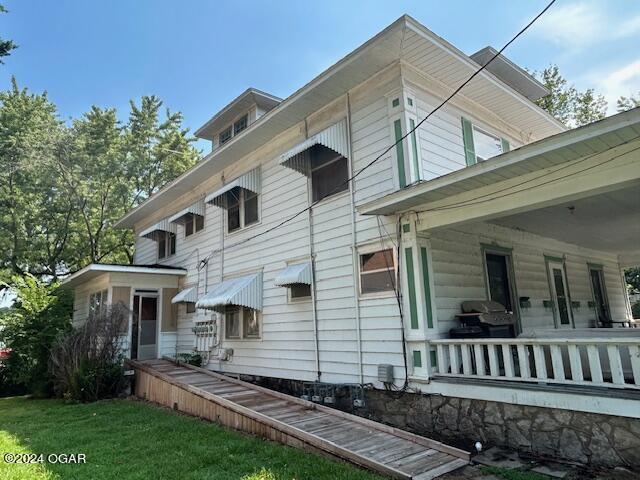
{"x": 147, "y": 293}
{"x": 511, "y": 278}
{"x": 550, "y": 260}
{"x": 599, "y": 268}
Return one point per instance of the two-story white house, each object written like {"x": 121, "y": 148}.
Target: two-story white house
{"x": 318, "y": 242}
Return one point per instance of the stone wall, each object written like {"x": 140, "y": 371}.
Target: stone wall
{"x": 586, "y": 438}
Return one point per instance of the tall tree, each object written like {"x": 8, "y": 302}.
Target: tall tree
{"x": 566, "y": 103}
{"x": 627, "y": 103}
{"x": 5, "y": 45}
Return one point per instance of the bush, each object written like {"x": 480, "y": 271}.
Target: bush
{"x": 194, "y": 359}
{"x": 86, "y": 363}
{"x": 28, "y": 329}
{"x": 635, "y": 309}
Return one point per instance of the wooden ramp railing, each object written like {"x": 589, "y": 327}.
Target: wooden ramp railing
{"x": 293, "y": 421}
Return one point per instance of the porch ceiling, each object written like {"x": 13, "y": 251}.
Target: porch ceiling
{"x": 609, "y": 222}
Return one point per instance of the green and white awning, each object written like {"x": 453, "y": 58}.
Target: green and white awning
{"x": 335, "y": 137}
{"x": 197, "y": 208}
{"x": 243, "y": 291}
{"x": 188, "y": 295}
{"x": 154, "y": 230}
{"x": 299, "y": 273}
{"x": 249, "y": 181}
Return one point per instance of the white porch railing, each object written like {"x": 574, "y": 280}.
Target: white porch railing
{"x": 594, "y": 362}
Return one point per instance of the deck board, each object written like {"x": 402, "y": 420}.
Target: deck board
{"x": 295, "y": 422}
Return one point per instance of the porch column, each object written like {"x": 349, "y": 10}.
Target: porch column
{"x": 418, "y": 302}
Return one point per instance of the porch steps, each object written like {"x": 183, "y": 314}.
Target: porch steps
{"x": 293, "y": 421}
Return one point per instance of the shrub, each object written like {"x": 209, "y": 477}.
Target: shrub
{"x": 86, "y": 363}
{"x": 194, "y": 359}
{"x": 39, "y": 314}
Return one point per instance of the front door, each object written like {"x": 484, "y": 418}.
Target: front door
{"x": 499, "y": 280}
{"x": 559, "y": 294}
{"x": 600, "y": 296}
{"x": 145, "y": 327}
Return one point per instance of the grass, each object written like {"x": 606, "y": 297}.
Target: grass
{"x": 513, "y": 474}
{"x": 127, "y": 439}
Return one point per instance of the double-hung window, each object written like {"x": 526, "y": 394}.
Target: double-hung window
{"x": 166, "y": 244}
{"x": 242, "y": 208}
{"x": 329, "y": 172}
{"x": 240, "y": 124}
{"x": 193, "y": 224}
{"x": 377, "y": 271}
{"x": 241, "y": 323}
{"x": 486, "y": 145}
{"x": 98, "y": 303}
{"x": 225, "y": 135}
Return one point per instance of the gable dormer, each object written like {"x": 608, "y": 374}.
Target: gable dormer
{"x": 236, "y": 116}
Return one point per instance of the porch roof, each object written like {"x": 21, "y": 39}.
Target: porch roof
{"x": 562, "y": 148}
{"x": 95, "y": 269}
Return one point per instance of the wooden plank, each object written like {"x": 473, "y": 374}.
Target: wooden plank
{"x": 556, "y": 362}
{"x": 523, "y": 361}
{"x": 493, "y": 361}
{"x": 507, "y": 360}
{"x": 634, "y": 355}
{"x": 615, "y": 364}
{"x": 575, "y": 363}
{"x": 441, "y": 470}
{"x": 540, "y": 362}
{"x": 478, "y": 352}
{"x": 595, "y": 367}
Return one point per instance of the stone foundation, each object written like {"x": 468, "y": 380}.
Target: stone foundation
{"x": 586, "y": 438}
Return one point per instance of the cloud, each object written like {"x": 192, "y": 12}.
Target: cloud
{"x": 623, "y": 81}
{"x": 579, "y": 25}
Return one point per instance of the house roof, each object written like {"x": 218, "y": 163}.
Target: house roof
{"x": 406, "y": 40}
{"x": 95, "y": 269}
{"x": 244, "y": 101}
{"x": 561, "y": 148}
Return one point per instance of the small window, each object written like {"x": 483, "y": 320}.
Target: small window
{"x": 242, "y": 209}
{"x": 240, "y": 125}
{"x": 329, "y": 172}
{"x": 241, "y": 323}
{"x": 377, "y": 272}
{"x": 98, "y": 303}
{"x": 486, "y": 145}
{"x": 300, "y": 290}
{"x": 225, "y": 136}
{"x": 193, "y": 223}
{"x": 191, "y": 307}
{"x": 166, "y": 244}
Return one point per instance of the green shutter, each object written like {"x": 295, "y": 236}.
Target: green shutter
{"x": 400, "y": 153}
{"x": 417, "y": 359}
{"x": 467, "y": 138}
{"x": 427, "y": 285}
{"x": 414, "y": 144}
{"x": 505, "y": 145}
{"x": 413, "y": 304}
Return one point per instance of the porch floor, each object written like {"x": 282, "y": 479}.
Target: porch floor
{"x": 294, "y": 422}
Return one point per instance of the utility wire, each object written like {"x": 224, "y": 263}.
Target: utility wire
{"x": 390, "y": 147}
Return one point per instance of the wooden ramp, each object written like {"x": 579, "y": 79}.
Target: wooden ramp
{"x": 293, "y": 421}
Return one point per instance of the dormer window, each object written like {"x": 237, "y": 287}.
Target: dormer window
{"x": 225, "y": 135}
{"x": 240, "y": 124}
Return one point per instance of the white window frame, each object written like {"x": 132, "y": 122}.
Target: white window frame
{"x": 104, "y": 298}
{"x": 483, "y": 131}
{"x": 224, "y": 131}
{"x": 167, "y": 246}
{"x": 373, "y": 248}
{"x": 231, "y": 127}
{"x": 236, "y": 121}
{"x": 195, "y": 230}
{"x": 242, "y": 336}
{"x": 292, "y": 299}
{"x": 339, "y": 157}
{"x": 241, "y": 203}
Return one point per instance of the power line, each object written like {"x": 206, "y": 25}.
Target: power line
{"x": 388, "y": 149}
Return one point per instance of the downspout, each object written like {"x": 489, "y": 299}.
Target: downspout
{"x": 354, "y": 252}
{"x": 313, "y": 272}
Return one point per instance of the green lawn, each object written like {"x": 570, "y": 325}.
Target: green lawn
{"x": 126, "y": 439}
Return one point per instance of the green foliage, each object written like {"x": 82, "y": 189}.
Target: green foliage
{"x": 39, "y": 315}
{"x": 635, "y": 310}
{"x": 5, "y": 45}
{"x": 513, "y": 474}
{"x": 95, "y": 380}
{"x": 194, "y": 359}
{"x": 632, "y": 277}
{"x": 627, "y": 103}
{"x": 564, "y": 102}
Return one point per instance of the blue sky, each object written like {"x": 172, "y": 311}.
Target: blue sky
{"x": 197, "y": 55}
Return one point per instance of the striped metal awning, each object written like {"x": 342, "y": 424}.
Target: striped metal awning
{"x": 243, "y": 291}
{"x": 334, "y": 137}
{"x": 248, "y": 181}
{"x": 197, "y": 208}
{"x": 188, "y": 295}
{"x": 162, "y": 226}
{"x": 299, "y": 273}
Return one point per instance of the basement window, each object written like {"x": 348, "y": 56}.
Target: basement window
{"x": 166, "y": 244}
{"x": 377, "y": 271}
{"x": 241, "y": 323}
{"x": 329, "y": 172}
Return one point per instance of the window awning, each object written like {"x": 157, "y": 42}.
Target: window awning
{"x": 248, "y": 181}
{"x": 244, "y": 291}
{"x": 195, "y": 209}
{"x": 162, "y": 226}
{"x": 334, "y": 137}
{"x": 188, "y": 295}
{"x": 294, "y": 274}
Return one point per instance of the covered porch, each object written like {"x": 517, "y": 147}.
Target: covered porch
{"x": 146, "y": 291}
{"x": 545, "y": 231}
